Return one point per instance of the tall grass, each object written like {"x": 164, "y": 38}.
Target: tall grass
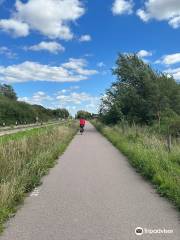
{"x": 148, "y": 153}
{"x": 25, "y": 158}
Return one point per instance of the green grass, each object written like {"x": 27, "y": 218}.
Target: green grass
{"x": 148, "y": 153}
{"x": 27, "y": 132}
{"x": 20, "y": 134}
{"x": 24, "y": 158}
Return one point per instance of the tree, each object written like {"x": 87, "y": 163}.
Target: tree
{"x": 8, "y": 91}
{"x": 61, "y": 113}
{"x": 83, "y": 114}
{"x": 139, "y": 94}
{"x": 13, "y": 111}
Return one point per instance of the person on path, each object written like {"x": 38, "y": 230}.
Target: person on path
{"x": 82, "y": 123}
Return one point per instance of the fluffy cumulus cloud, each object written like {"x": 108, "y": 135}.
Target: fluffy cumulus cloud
{"x": 52, "y": 47}
{"x": 122, "y": 6}
{"x": 168, "y": 10}
{"x": 144, "y": 53}
{"x": 85, "y": 38}
{"x": 14, "y": 27}
{"x": 76, "y": 98}
{"x": 72, "y": 71}
{"x": 51, "y": 17}
{"x": 66, "y": 98}
{"x": 37, "y": 98}
{"x": 78, "y": 66}
{"x": 170, "y": 59}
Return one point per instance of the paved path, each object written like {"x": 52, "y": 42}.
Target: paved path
{"x": 92, "y": 194}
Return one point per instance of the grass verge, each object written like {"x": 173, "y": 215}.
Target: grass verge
{"x": 24, "y": 158}
{"x": 147, "y": 152}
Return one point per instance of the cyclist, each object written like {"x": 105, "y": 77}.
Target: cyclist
{"x": 82, "y": 123}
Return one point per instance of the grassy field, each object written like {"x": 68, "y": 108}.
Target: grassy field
{"x": 148, "y": 153}
{"x": 24, "y": 158}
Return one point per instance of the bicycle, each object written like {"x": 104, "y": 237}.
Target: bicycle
{"x": 81, "y": 129}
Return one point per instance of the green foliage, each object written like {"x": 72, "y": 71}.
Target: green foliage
{"x": 61, "y": 113}
{"x": 7, "y": 91}
{"x": 83, "y": 114}
{"x": 139, "y": 94}
{"x": 147, "y": 152}
{"x": 170, "y": 124}
{"x": 13, "y": 111}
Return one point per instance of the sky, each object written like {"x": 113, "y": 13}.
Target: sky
{"x": 60, "y": 53}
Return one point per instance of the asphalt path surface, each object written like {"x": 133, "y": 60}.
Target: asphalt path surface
{"x": 93, "y": 194}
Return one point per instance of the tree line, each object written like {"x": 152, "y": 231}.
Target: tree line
{"x": 14, "y": 112}
{"x": 141, "y": 95}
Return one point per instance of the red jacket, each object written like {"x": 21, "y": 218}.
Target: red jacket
{"x": 82, "y": 121}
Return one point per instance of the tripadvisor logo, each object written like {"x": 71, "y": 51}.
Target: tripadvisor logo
{"x": 139, "y": 231}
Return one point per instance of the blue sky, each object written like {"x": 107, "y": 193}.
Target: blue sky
{"x": 59, "y": 53}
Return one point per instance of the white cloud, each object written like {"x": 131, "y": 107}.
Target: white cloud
{"x": 74, "y": 88}
{"x": 23, "y": 99}
{"x": 101, "y": 64}
{"x": 14, "y": 27}
{"x": 168, "y": 10}
{"x": 169, "y": 59}
{"x": 40, "y": 96}
{"x": 7, "y": 52}
{"x": 77, "y": 99}
{"x": 175, "y": 22}
{"x": 52, "y": 47}
{"x": 85, "y": 38}
{"x": 67, "y": 90}
{"x": 122, "y": 6}
{"x": 144, "y": 53}
{"x": 78, "y": 65}
{"x": 142, "y": 14}
{"x": 51, "y": 17}
{"x": 174, "y": 72}
{"x": 63, "y": 91}
{"x": 74, "y": 63}
{"x": 37, "y": 98}
{"x": 72, "y": 71}
{"x": 65, "y": 99}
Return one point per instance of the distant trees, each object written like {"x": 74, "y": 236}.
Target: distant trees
{"x": 7, "y": 91}
{"x": 139, "y": 94}
{"x": 83, "y": 114}
{"x": 13, "y": 111}
{"x": 61, "y": 113}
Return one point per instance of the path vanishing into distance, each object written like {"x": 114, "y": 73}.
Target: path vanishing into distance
{"x": 92, "y": 194}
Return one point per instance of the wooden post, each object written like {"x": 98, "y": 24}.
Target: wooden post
{"x": 169, "y": 142}
{"x": 159, "y": 122}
